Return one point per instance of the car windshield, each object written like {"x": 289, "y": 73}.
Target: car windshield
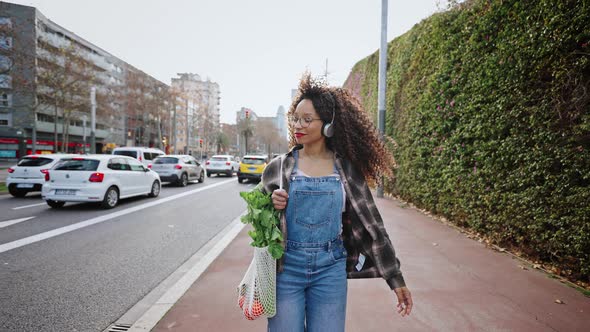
{"x": 77, "y": 165}
{"x": 218, "y": 158}
{"x": 128, "y": 153}
{"x": 33, "y": 162}
{"x": 166, "y": 160}
{"x": 253, "y": 161}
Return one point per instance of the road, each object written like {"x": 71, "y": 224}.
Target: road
{"x": 85, "y": 279}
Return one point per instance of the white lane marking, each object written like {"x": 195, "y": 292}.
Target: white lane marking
{"x": 58, "y": 231}
{"x": 28, "y": 206}
{"x": 13, "y": 221}
{"x": 194, "y": 267}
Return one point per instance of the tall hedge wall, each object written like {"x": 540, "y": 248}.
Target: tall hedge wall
{"x": 489, "y": 104}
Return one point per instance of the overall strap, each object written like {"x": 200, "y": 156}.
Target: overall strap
{"x": 296, "y": 157}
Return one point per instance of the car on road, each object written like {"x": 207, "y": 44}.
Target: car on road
{"x": 179, "y": 169}
{"x": 251, "y": 167}
{"x": 145, "y": 155}
{"x": 28, "y": 175}
{"x": 222, "y": 164}
{"x": 104, "y": 179}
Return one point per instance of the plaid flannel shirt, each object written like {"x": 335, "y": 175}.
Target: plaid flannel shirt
{"x": 362, "y": 226}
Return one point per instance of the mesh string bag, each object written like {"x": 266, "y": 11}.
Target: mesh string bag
{"x": 257, "y": 290}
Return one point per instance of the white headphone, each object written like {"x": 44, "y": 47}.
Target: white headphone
{"x": 328, "y": 128}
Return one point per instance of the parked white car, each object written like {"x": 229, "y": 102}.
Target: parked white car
{"x": 222, "y": 164}
{"x": 98, "y": 178}
{"x": 145, "y": 155}
{"x": 28, "y": 174}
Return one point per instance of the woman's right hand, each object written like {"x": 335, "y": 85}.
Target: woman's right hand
{"x": 279, "y": 199}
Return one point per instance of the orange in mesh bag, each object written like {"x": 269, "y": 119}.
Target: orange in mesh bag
{"x": 256, "y": 292}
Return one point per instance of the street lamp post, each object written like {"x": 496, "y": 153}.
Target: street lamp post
{"x": 382, "y": 80}
{"x": 84, "y": 118}
{"x": 93, "y": 120}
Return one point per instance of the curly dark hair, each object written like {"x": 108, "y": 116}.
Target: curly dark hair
{"x": 355, "y": 136}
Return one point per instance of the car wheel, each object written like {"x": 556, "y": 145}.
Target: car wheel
{"x": 208, "y": 174}
{"x": 55, "y": 204}
{"x": 155, "y": 189}
{"x": 183, "y": 180}
{"x": 16, "y": 192}
{"x": 111, "y": 198}
{"x": 202, "y": 177}
{"x": 240, "y": 180}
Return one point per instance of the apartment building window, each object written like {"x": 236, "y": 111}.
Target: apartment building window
{"x": 5, "y": 42}
{"x": 5, "y": 63}
{"x": 5, "y": 99}
{"x": 6, "y": 81}
{"x": 6, "y": 119}
{"x": 5, "y": 22}
{"x": 44, "y": 118}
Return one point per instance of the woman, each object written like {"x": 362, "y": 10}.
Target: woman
{"x": 332, "y": 229}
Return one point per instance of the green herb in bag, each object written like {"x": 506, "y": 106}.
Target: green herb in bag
{"x": 264, "y": 218}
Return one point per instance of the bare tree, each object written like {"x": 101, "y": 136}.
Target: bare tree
{"x": 246, "y": 130}
{"x": 66, "y": 77}
{"x": 135, "y": 101}
{"x": 229, "y": 132}
{"x": 268, "y": 136}
{"x": 222, "y": 143}
{"x": 157, "y": 109}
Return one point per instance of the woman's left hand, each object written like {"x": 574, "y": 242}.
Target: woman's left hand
{"x": 404, "y": 301}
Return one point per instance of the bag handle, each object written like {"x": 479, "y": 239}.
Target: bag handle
{"x": 281, "y": 174}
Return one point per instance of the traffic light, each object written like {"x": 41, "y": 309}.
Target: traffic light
{"x": 247, "y": 114}
{"x": 201, "y": 143}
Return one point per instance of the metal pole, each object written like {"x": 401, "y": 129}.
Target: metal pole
{"x": 187, "y": 127}
{"x": 34, "y": 138}
{"x": 238, "y": 143}
{"x": 34, "y": 133}
{"x": 93, "y": 120}
{"x": 55, "y": 145}
{"x": 84, "y": 118}
{"x": 382, "y": 80}
{"x": 174, "y": 127}
{"x": 246, "y": 136}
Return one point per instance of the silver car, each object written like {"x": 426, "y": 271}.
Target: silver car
{"x": 179, "y": 169}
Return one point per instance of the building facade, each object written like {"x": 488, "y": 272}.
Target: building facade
{"x": 46, "y": 77}
{"x": 201, "y": 99}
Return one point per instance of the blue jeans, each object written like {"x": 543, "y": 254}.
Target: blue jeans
{"x": 311, "y": 290}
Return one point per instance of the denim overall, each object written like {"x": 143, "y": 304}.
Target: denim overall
{"x": 311, "y": 290}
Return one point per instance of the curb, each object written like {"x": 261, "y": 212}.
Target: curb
{"x": 191, "y": 271}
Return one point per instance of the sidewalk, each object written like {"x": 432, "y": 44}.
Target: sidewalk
{"x": 457, "y": 285}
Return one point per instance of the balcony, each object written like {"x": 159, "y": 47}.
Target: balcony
{"x": 47, "y": 127}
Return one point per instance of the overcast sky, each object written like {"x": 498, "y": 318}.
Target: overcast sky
{"x": 256, "y": 50}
